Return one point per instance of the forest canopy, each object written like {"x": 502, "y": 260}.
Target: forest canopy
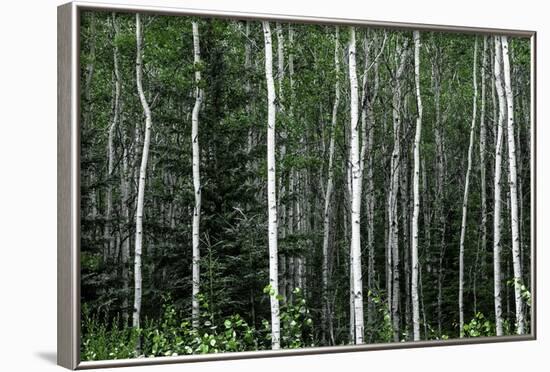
{"x": 250, "y": 185}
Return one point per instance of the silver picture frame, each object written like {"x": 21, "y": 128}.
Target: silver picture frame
{"x": 68, "y": 183}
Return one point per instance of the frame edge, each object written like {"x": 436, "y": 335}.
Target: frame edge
{"x": 68, "y": 313}
{"x": 534, "y": 188}
{"x": 66, "y": 332}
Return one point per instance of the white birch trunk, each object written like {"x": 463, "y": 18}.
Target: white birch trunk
{"x": 405, "y": 196}
{"x": 512, "y": 164}
{"x": 416, "y": 194}
{"x": 329, "y": 188}
{"x": 142, "y": 176}
{"x": 196, "y": 177}
{"x": 271, "y": 190}
{"x": 465, "y": 201}
{"x": 350, "y": 255}
{"x": 354, "y": 159}
{"x": 497, "y": 187}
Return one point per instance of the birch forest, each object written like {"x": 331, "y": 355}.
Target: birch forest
{"x": 257, "y": 185}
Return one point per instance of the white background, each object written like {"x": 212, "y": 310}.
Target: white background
{"x": 28, "y": 184}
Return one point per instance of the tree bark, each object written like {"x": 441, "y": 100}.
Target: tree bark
{"x": 142, "y": 175}
{"x": 124, "y": 178}
{"x": 497, "y": 187}
{"x": 368, "y": 133}
{"x": 393, "y": 218}
{"x": 465, "y": 201}
{"x": 416, "y": 194}
{"x": 196, "y": 175}
{"x": 326, "y": 311}
{"x": 440, "y": 181}
{"x": 88, "y": 103}
{"x": 512, "y": 164}
{"x": 354, "y": 159}
{"x": 108, "y": 236}
{"x": 481, "y": 254}
{"x": 282, "y": 183}
{"x": 271, "y": 190}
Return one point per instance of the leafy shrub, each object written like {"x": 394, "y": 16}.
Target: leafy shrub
{"x": 381, "y": 328}
{"x": 169, "y": 336}
{"x": 296, "y": 322}
{"x": 479, "y": 326}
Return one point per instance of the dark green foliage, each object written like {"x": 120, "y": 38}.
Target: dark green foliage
{"x": 172, "y": 334}
{"x": 235, "y": 310}
{"x": 479, "y": 326}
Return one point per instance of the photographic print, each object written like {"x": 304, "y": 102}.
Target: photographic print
{"x": 252, "y": 185}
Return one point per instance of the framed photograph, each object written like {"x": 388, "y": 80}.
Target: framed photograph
{"x": 238, "y": 185}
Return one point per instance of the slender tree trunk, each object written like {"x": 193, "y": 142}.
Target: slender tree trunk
{"x": 524, "y": 155}
{"x": 248, "y": 88}
{"x": 298, "y": 216}
{"x": 465, "y": 202}
{"x": 416, "y": 194}
{"x": 520, "y": 173}
{"x": 427, "y": 214}
{"x": 196, "y": 176}
{"x": 281, "y": 204}
{"x": 291, "y": 222}
{"x": 280, "y": 64}
{"x": 124, "y": 180}
{"x": 347, "y": 241}
{"x": 355, "y": 193}
{"x": 108, "y": 236}
{"x": 87, "y": 114}
{"x": 387, "y": 214}
{"x": 393, "y": 218}
{"x": 494, "y": 97}
{"x": 441, "y": 176}
{"x": 125, "y": 254}
{"x": 370, "y": 197}
{"x": 326, "y": 312}
{"x": 512, "y": 163}
{"x": 142, "y": 175}
{"x": 497, "y": 187}
{"x": 481, "y": 254}
{"x": 271, "y": 190}
{"x": 406, "y": 219}
{"x": 107, "y": 231}
{"x": 90, "y": 69}
{"x": 291, "y": 172}
{"x": 423, "y": 306}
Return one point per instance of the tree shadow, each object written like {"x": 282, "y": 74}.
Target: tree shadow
{"x": 48, "y": 356}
